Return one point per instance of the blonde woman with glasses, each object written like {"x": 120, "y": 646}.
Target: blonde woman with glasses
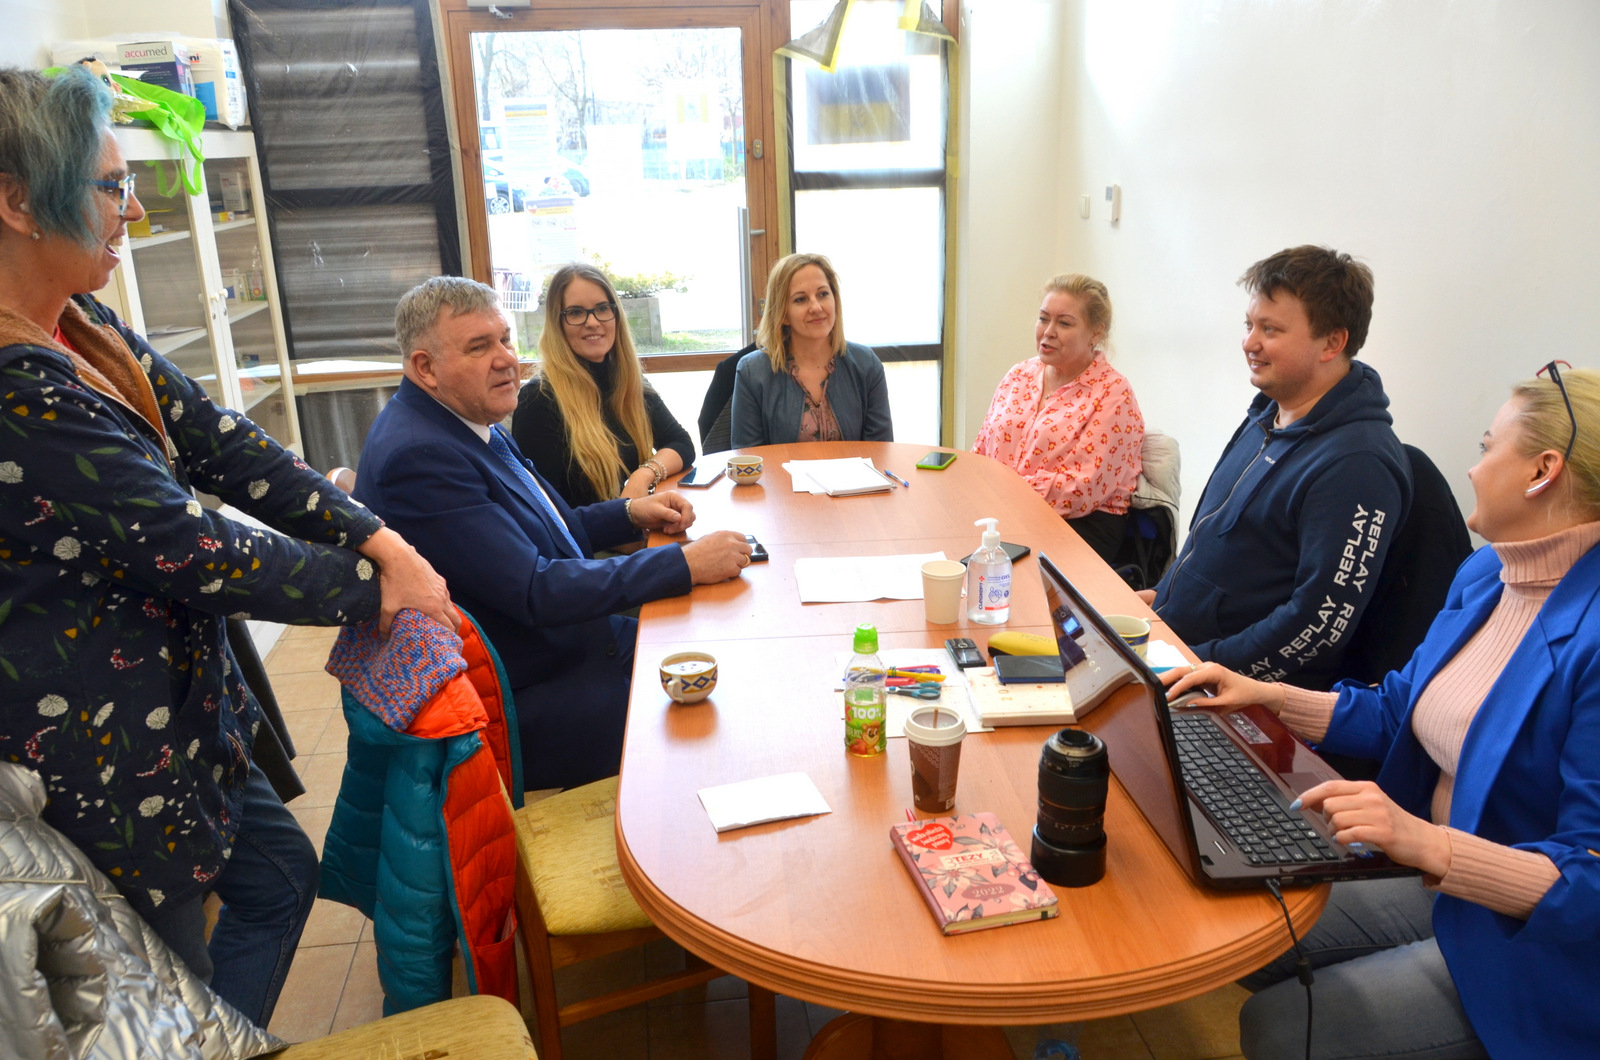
{"x": 590, "y": 422}
{"x": 1490, "y": 740}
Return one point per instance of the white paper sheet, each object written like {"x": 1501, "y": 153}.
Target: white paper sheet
{"x": 1161, "y": 655}
{"x": 762, "y": 799}
{"x": 855, "y": 579}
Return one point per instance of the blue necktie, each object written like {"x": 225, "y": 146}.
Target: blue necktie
{"x": 502, "y": 448}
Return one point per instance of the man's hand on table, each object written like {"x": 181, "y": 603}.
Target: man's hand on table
{"x": 717, "y": 557}
{"x": 1147, "y": 595}
{"x": 670, "y": 513}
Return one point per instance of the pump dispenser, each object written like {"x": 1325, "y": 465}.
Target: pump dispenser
{"x": 989, "y": 578}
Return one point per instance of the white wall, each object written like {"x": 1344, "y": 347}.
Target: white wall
{"x": 1008, "y": 193}
{"x": 189, "y": 18}
{"x": 1453, "y": 147}
{"x": 30, "y": 26}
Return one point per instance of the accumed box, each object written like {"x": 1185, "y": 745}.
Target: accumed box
{"x": 164, "y": 63}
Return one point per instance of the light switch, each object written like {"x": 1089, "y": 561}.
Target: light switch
{"x": 1114, "y": 197}
{"x": 1083, "y": 207}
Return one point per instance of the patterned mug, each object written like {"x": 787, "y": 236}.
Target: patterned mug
{"x": 745, "y": 470}
{"x": 688, "y": 676}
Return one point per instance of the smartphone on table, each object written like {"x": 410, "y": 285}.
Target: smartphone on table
{"x": 702, "y": 475}
{"x": 1014, "y": 551}
{"x": 936, "y": 461}
{"x": 1026, "y": 669}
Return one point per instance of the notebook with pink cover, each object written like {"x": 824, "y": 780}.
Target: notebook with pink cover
{"x": 971, "y": 872}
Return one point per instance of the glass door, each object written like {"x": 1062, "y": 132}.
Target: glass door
{"x": 621, "y": 138}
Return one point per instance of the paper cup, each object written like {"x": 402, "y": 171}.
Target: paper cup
{"x": 934, "y": 735}
{"x": 745, "y": 470}
{"x": 941, "y": 590}
{"x": 1136, "y": 631}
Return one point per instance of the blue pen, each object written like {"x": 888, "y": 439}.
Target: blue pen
{"x": 897, "y": 478}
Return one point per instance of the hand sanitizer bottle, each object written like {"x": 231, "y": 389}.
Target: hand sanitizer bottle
{"x": 989, "y": 578}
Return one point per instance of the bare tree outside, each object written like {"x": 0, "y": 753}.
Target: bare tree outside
{"x": 685, "y": 55}
{"x": 538, "y": 64}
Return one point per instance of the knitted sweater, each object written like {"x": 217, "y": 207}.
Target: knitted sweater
{"x": 1499, "y": 877}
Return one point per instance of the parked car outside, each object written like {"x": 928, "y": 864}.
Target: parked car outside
{"x": 501, "y": 192}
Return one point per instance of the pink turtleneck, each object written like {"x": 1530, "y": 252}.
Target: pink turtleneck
{"x": 1503, "y": 878}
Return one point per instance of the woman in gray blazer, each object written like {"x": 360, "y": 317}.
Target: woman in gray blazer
{"x": 805, "y": 383}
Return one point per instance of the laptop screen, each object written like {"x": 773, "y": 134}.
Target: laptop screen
{"x": 1140, "y": 749}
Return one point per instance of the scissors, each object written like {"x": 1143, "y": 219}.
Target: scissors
{"x": 920, "y": 691}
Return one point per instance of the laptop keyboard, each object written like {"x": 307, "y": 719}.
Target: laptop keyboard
{"x": 1241, "y": 801}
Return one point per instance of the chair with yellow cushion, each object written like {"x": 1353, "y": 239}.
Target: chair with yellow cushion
{"x": 572, "y": 906}
{"x": 480, "y": 1027}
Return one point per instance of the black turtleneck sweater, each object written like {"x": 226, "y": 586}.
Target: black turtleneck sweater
{"x": 541, "y": 433}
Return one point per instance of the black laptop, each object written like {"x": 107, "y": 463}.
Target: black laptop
{"x": 1216, "y": 786}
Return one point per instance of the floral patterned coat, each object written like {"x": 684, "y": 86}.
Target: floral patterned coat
{"x": 1079, "y": 447}
{"x": 116, "y": 681}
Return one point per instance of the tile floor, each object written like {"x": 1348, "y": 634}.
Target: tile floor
{"x": 334, "y": 982}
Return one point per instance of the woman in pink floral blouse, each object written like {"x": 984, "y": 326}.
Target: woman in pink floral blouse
{"x": 1066, "y": 420}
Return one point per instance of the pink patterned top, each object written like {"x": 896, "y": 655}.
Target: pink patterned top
{"x": 1079, "y": 447}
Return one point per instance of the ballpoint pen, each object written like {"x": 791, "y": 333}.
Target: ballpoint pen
{"x": 897, "y": 478}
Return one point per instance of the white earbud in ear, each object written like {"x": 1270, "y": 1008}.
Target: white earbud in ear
{"x": 1531, "y": 490}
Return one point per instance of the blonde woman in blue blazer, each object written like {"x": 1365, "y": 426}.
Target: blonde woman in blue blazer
{"x": 1490, "y": 740}
{"x": 806, "y": 383}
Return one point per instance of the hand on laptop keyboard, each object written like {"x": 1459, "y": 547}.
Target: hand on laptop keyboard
{"x": 1229, "y": 690}
{"x": 1364, "y": 818}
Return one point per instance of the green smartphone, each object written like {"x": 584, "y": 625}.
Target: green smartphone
{"x": 936, "y": 461}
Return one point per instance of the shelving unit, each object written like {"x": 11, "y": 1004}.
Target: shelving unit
{"x": 188, "y": 287}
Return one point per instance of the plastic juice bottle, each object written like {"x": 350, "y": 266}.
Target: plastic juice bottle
{"x": 989, "y": 578}
{"x": 864, "y": 720}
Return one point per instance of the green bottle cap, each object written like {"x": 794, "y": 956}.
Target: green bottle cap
{"x": 866, "y": 639}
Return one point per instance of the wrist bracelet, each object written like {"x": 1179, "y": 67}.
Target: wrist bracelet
{"x": 627, "y": 509}
{"x": 657, "y": 469}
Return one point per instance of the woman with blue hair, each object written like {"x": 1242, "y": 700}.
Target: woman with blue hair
{"x": 120, "y": 688}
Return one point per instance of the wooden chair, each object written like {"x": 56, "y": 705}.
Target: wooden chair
{"x": 480, "y": 1027}
{"x": 573, "y": 906}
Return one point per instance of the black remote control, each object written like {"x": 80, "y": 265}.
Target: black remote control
{"x": 965, "y": 652}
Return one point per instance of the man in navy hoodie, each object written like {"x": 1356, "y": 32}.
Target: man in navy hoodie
{"x": 1284, "y": 551}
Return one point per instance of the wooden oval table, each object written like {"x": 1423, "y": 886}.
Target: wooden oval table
{"x": 821, "y": 908}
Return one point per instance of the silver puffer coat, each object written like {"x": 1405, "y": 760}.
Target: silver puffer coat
{"x": 81, "y": 976}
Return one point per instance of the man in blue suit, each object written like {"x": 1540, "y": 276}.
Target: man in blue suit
{"x": 438, "y": 468}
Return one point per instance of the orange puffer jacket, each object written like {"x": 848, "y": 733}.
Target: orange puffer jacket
{"x": 422, "y": 840}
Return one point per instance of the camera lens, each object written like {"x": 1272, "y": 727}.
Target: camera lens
{"x": 1069, "y": 840}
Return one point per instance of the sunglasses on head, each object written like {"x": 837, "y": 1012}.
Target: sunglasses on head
{"x": 1555, "y": 377}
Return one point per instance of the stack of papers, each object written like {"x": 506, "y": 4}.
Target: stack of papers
{"x": 837, "y": 478}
